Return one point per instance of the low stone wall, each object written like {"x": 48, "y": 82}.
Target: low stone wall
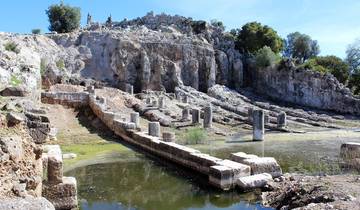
{"x": 306, "y": 88}
{"x": 223, "y": 174}
{"x": 72, "y": 99}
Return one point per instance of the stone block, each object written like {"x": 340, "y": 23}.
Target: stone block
{"x": 255, "y": 181}
{"x": 161, "y": 102}
{"x": 168, "y": 136}
{"x": 135, "y": 118}
{"x": 55, "y": 165}
{"x": 264, "y": 165}
{"x": 154, "y": 129}
{"x": 281, "y": 120}
{"x": 350, "y": 150}
{"x": 239, "y": 170}
{"x": 185, "y": 114}
{"x": 62, "y": 195}
{"x": 241, "y": 156}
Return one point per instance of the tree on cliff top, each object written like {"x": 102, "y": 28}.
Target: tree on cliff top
{"x": 331, "y": 64}
{"x": 63, "y": 18}
{"x": 253, "y": 36}
{"x": 301, "y": 47}
{"x": 353, "y": 57}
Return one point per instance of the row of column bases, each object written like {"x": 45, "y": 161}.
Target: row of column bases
{"x": 257, "y": 117}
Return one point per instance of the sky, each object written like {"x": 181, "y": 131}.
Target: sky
{"x": 333, "y": 23}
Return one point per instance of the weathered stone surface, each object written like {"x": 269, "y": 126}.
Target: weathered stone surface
{"x": 12, "y": 146}
{"x": 240, "y": 156}
{"x": 305, "y": 87}
{"x": 255, "y": 181}
{"x": 28, "y": 203}
{"x": 14, "y": 91}
{"x": 258, "y": 125}
{"x": 263, "y": 165}
{"x": 161, "y": 102}
{"x": 154, "y": 129}
{"x": 168, "y": 136}
{"x": 350, "y": 150}
{"x": 135, "y": 118}
{"x": 62, "y": 195}
{"x": 69, "y": 156}
{"x": 55, "y": 164}
{"x": 14, "y": 118}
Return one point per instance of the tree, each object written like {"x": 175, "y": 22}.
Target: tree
{"x": 331, "y": 64}
{"x": 354, "y": 83}
{"x": 217, "y": 24}
{"x": 36, "y": 31}
{"x": 353, "y": 57}
{"x": 266, "y": 57}
{"x": 253, "y": 36}
{"x": 109, "y": 22}
{"x": 300, "y": 47}
{"x": 63, "y": 18}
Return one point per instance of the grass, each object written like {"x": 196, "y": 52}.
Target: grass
{"x": 15, "y": 81}
{"x": 87, "y": 151}
{"x": 195, "y": 136}
{"x": 12, "y": 46}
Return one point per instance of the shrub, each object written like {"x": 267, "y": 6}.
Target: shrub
{"x": 63, "y": 18}
{"x": 60, "y": 64}
{"x": 266, "y": 57}
{"x": 195, "y": 136}
{"x": 329, "y": 64}
{"x": 36, "y": 31}
{"x": 254, "y": 36}
{"x": 12, "y": 46}
{"x": 15, "y": 81}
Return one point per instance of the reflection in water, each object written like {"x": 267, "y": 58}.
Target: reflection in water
{"x": 143, "y": 184}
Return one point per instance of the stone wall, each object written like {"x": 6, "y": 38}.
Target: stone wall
{"x": 306, "y": 88}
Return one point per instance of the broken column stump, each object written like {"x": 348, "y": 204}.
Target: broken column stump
{"x": 154, "y": 129}
{"x": 258, "y": 125}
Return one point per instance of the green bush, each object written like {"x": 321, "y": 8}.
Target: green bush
{"x": 329, "y": 64}
{"x": 266, "y": 57}
{"x": 254, "y": 36}
{"x": 60, "y": 64}
{"x": 15, "y": 81}
{"x": 36, "y": 31}
{"x": 63, "y": 18}
{"x": 195, "y": 136}
{"x": 12, "y": 46}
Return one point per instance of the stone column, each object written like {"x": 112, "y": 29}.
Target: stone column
{"x": 281, "y": 120}
{"x": 185, "y": 114}
{"x": 168, "y": 136}
{"x": 129, "y": 89}
{"x": 134, "y": 118}
{"x": 161, "y": 102}
{"x": 185, "y": 99}
{"x": 154, "y": 129}
{"x": 250, "y": 114}
{"x": 258, "y": 125}
{"x": 195, "y": 113}
{"x": 208, "y": 117}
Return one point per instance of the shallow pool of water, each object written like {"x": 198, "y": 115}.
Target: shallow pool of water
{"x": 134, "y": 181}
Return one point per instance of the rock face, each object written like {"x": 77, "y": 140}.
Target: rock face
{"x": 305, "y": 87}
{"x": 156, "y": 52}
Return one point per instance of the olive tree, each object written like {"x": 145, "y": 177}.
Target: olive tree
{"x": 63, "y": 18}
{"x": 300, "y": 47}
{"x": 253, "y": 36}
{"x": 353, "y": 57}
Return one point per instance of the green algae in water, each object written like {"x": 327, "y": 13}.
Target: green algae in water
{"x": 141, "y": 183}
